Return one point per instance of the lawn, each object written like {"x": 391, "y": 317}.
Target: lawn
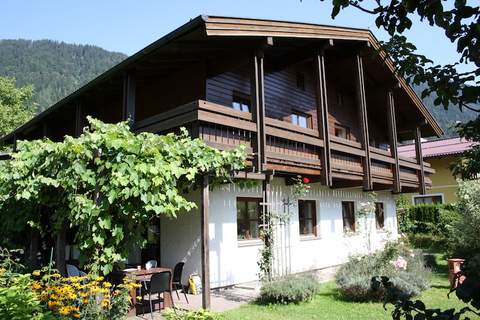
{"x": 328, "y": 305}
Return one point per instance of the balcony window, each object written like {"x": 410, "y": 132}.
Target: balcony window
{"x": 342, "y": 131}
{"x": 240, "y": 102}
{"x": 348, "y": 215}
{"x": 301, "y": 119}
{"x": 248, "y": 218}
{"x": 307, "y": 217}
{"x": 428, "y": 199}
{"x": 379, "y": 215}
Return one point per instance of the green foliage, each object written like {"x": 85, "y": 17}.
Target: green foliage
{"x": 55, "y": 69}
{"x": 464, "y": 238}
{"x": 192, "y": 315}
{"x": 354, "y": 277}
{"x": 289, "y": 289}
{"x": 109, "y": 183}
{"x": 468, "y": 292}
{"x": 14, "y": 107}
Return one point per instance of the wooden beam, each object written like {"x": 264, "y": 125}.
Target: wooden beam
{"x": 79, "y": 119}
{"x": 322, "y": 118}
{"x": 205, "y": 243}
{"x": 258, "y": 109}
{"x": 362, "y": 112}
{"x": 392, "y": 135}
{"x": 419, "y": 157}
{"x": 129, "y": 88}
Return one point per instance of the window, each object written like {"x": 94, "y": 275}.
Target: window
{"x": 301, "y": 81}
{"x": 379, "y": 215}
{"x": 342, "y": 131}
{"x": 431, "y": 198}
{"x": 302, "y": 120}
{"x": 248, "y": 218}
{"x": 240, "y": 102}
{"x": 307, "y": 217}
{"x": 348, "y": 214}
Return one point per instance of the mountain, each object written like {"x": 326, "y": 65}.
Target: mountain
{"x": 55, "y": 69}
{"x": 446, "y": 118}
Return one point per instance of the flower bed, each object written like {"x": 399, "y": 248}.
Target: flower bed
{"x": 405, "y": 268}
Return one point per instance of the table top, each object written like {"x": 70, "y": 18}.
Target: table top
{"x": 143, "y": 272}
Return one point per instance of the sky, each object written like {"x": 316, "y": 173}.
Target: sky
{"x": 129, "y": 25}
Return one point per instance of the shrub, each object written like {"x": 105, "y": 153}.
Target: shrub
{"x": 191, "y": 315}
{"x": 289, "y": 289}
{"x": 464, "y": 237}
{"x": 403, "y": 266}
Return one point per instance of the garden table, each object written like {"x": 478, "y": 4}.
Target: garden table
{"x": 145, "y": 275}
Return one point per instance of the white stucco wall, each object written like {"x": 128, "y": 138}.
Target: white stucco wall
{"x": 234, "y": 261}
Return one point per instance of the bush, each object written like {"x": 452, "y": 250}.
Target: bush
{"x": 289, "y": 289}
{"x": 403, "y": 266}
{"x": 464, "y": 237}
{"x": 191, "y": 315}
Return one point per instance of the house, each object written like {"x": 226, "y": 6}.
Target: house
{"x": 309, "y": 100}
{"x": 441, "y": 154}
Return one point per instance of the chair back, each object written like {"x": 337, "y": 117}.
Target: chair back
{"x": 160, "y": 282}
{"x": 177, "y": 272}
{"x": 151, "y": 264}
{"x": 72, "y": 271}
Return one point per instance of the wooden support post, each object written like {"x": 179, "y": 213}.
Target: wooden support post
{"x": 129, "y": 88}
{"x": 79, "y": 119}
{"x": 14, "y": 142}
{"x": 258, "y": 109}
{"x": 322, "y": 118}
{"x": 392, "y": 135}
{"x": 60, "y": 244}
{"x": 205, "y": 243}
{"x": 419, "y": 156}
{"x": 362, "y": 112}
{"x": 44, "y": 130}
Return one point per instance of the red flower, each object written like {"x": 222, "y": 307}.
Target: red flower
{"x": 306, "y": 180}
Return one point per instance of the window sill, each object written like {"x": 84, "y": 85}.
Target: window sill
{"x": 249, "y": 243}
{"x": 309, "y": 237}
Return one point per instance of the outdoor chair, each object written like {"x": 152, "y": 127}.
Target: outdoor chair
{"x": 73, "y": 271}
{"x": 150, "y": 264}
{"x": 177, "y": 280}
{"x": 159, "y": 283}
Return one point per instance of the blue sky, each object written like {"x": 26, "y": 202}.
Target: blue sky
{"x": 129, "y": 25}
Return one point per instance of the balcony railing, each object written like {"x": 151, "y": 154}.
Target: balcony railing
{"x": 288, "y": 147}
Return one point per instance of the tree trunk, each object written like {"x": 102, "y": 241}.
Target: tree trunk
{"x": 34, "y": 247}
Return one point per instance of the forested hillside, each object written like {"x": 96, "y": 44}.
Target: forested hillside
{"x": 55, "y": 69}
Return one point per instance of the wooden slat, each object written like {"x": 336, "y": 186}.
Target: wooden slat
{"x": 210, "y": 106}
{"x": 171, "y": 123}
{"x": 363, "y": 118}
{"x": 211, "y": 117}
{"x": 322, "y": 119}
{"x": 282, "y": 156}
{"x": 224, "y": 146}
{"x": 167, "y": 114}
{"x": 347, "y": 149}
{"x": 291, "y": 127}
{"x": 258, "y": 104}
{"x": 392, "y": 135}
{"x": 284, "y": 134}
{"x": 419, "y": 157}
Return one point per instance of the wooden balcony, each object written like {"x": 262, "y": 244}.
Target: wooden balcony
{"x": 288, "y": 148}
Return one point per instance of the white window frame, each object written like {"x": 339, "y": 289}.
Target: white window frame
{"x": 416, "y": 196}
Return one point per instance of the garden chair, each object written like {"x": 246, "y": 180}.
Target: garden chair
{"x": 150, "y": 264}
{"x": 159, "y": 283}
{"x": 177, "y": 280}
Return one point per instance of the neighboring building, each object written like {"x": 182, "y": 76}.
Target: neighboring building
{"x": 305, "y": 99}
{"x": 441, "y": 154}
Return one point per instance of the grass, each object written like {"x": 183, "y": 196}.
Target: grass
{"x": 328, "y": 305}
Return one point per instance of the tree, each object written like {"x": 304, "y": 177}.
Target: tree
{"x": 108, "y": 183}
{"x": 14, "y": 107}
{"x": 460, "y": 22}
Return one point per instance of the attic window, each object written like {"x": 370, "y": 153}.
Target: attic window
{"x": 301, "y": 81}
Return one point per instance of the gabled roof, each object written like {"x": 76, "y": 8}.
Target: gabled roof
{"x": 437, "y": 148}
{"x": 215, "y": 26}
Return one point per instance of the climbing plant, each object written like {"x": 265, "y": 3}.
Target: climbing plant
{"x": 109, "y": 183}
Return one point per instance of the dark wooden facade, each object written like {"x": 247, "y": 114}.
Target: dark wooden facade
{"x": 355, "y": 108}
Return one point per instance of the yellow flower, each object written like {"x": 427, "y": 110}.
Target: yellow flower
{"x": 64, "y": 311}
{"x": 36, "y": 273}
{"x": 36, "y": 286}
